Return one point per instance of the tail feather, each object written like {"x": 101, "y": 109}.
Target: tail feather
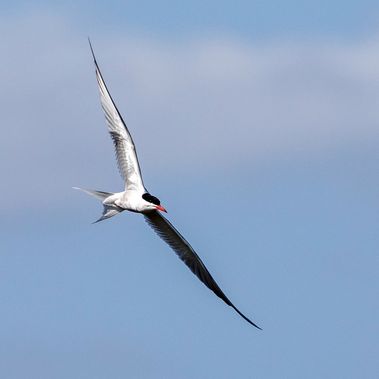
{"x": 101, "y": 195}
{"x": 109, "y": 210}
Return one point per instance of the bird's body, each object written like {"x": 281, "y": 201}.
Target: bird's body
{"x": 136, "y": 198}
{"x": 130, "y": 200}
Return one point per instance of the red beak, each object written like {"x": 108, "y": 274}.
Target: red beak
{"x": 160, "y": 208}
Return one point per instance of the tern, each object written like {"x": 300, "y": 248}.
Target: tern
{"x": 136, "y": 198}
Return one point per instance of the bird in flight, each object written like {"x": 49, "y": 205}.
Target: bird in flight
{"x": 136, "y": 198}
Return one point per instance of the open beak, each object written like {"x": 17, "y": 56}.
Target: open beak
{"x": 160, "y": 208}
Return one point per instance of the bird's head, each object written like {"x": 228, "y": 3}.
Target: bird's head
{"x": 152, "y": 203}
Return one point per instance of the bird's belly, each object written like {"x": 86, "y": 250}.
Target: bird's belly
{"x": 129, "y": 201}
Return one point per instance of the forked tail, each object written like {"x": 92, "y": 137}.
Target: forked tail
{"x": 109, "y": 210}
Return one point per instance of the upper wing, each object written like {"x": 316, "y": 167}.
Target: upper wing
{"x": 125, "y": 150}
{"x": 185, "y": 252}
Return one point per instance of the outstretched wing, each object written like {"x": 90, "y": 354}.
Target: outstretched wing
{"x": 187, "y": 254}
{"x": 125, "y": 150}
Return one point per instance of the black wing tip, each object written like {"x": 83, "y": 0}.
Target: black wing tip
{"x": 258, "y": 327}
{"x": 245, "y": 318}
{"x": 92, "y": 52}
{"x": 251, "y": 322}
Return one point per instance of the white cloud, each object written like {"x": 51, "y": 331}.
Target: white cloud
{"x": 205, "y": 102}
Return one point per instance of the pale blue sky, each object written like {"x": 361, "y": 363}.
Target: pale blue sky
{"x": 252, "y": 19}
{"x": 256, "y": 125}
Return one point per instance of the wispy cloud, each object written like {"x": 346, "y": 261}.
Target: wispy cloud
{"x": 204, "y": 102}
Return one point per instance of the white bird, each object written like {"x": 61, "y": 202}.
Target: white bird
{"x": 136, "y": 198}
